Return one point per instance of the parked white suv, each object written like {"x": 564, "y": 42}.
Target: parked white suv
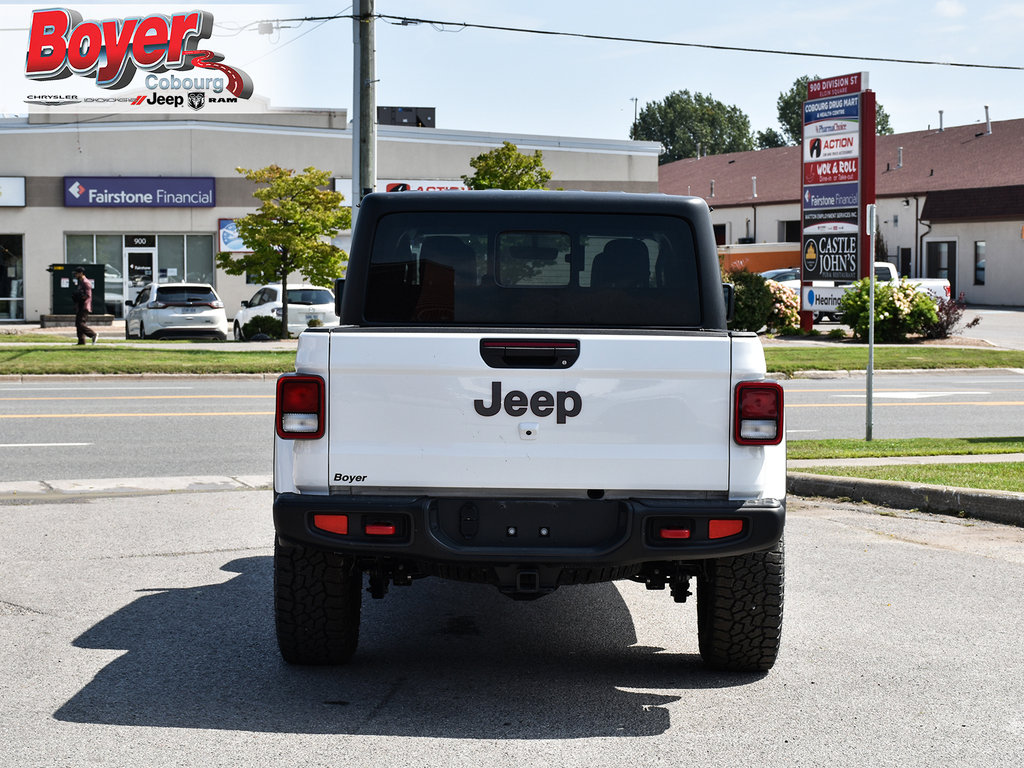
{"x": 176, "y": 309}
{"x": 306, "y": 303}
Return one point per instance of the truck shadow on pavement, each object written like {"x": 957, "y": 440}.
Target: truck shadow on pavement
{"x": 439, "y": 659}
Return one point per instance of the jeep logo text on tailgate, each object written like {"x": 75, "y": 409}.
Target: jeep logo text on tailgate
{"x": 564, "y": 404}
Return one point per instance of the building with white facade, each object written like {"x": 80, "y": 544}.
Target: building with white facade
{"x": 950, "y": 203}
{"x": 150, "y": 197}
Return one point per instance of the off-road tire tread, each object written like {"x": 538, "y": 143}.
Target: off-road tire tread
{"x": 317, "y": 602}
{"x": 739, "y": 610}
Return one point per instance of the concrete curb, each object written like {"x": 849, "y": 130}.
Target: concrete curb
{"x": 49, "y": 490}
{"x": 993, "y": 506}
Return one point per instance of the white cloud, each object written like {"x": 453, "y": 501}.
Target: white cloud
{"x": 950, "y": 9}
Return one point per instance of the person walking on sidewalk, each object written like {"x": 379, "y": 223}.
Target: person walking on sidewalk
{"x": 83, "y": 306}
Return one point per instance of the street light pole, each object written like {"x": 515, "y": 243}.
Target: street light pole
{"x": 871, "y": 223}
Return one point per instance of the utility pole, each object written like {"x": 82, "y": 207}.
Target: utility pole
{"x": 364, "y": 105}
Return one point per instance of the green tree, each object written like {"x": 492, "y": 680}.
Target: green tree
{"x": 505, "y": 167}
{"x": 790, "y": 106}
{"x": 291, "y": 230}
{"x": 682, "y": 122}
{"x": 769, "y": 138}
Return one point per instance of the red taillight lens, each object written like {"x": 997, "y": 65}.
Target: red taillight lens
{"x": 300, "y": 407}
{"x": 721, "y": 529}
{"x": 332, "y": 523}
{"x": 758, "y": 413}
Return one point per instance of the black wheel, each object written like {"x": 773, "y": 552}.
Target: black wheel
{"x": 239, "y": 336}
{"x": 739, "y": 610}
{"x": 317, "y": 601}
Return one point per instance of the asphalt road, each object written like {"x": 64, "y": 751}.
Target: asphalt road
{"x": 87, "y": 427}
{"x": 977, "y": 403}
{"x": 138, "y": 632}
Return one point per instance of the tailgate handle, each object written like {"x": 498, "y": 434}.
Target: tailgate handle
{"x": 530, "y": 353}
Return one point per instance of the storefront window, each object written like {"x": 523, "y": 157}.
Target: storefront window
{"x": 79, "y": 249}
{"x": 200, "y": 258}
{"x": 979, "y": 262}
{"x": 170, "y": 255}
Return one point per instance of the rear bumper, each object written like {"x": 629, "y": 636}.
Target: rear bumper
{"x": 492, "y": 532}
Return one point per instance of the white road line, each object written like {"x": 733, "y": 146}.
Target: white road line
{"x": 43, "y": 445}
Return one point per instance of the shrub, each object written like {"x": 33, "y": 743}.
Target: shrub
{"x": 950, "y": 312}
{"x": 263, "y": 325}
{"x": 784, "y": 316}
{"x": 900, "y": 309}
{"x": 753, "y": 301}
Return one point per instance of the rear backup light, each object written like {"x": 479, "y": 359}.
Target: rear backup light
{"x": 332, "y": 523}
{"x": 758, "y": 418}
{"x": 300, "y": 407}
{"x": 720, "y": 529}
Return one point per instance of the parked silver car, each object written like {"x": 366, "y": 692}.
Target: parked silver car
{"x": 176, "y": 309}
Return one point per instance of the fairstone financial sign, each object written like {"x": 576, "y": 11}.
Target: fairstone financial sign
{"x": 138, "y": 192}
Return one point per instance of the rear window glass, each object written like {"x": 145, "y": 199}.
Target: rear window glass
{"x": 310, "y": 296}
{"x": 180, "y": 294}
{"x": 573, "y": 270}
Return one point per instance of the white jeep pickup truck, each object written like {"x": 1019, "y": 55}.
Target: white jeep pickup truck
{"x": 530, "y": 390}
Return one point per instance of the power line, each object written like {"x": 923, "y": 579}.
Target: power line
{"x": 404, "y": 20}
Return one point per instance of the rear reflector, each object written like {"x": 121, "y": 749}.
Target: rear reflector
{"x": 300, "y": 407}
{"x": 758, "y": 419}
{"x": 380, "y": 529}
{"x": 332, "y": 523}
{"x": 720, "y": 529}
{"x": 674, "y": 533}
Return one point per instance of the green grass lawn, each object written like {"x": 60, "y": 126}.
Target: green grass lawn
{"x": 855, "y": 358}
{"x": 1002, "y": 476}
{"x": 998, "y": 476}
{"x": 48, "y": 353}
{"x": 105, "y": 358}
{"x": 918, "y": 446}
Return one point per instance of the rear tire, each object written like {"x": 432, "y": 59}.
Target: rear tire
{"x": 317, "y": 602}
{"x": 739, "y": 610}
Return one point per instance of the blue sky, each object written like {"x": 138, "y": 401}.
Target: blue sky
{"x": 508, "y": 82}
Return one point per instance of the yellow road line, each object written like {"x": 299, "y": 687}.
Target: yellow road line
{"x": 125, "y": 415}
{"x": 147, "y": 397}
{"x": 902, "y": 403}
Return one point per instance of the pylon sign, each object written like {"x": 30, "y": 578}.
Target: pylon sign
{"x": 838, "y": 178}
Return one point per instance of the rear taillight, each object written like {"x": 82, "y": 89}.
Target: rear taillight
{"x": 758, "y": 418}
{"x": 300, "y": 407}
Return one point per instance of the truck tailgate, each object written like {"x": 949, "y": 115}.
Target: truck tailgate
{"x": 638, "y": 412}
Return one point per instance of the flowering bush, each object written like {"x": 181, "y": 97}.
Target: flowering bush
{"x": 784, "y": 316}
{"x": 900, "y": 309}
